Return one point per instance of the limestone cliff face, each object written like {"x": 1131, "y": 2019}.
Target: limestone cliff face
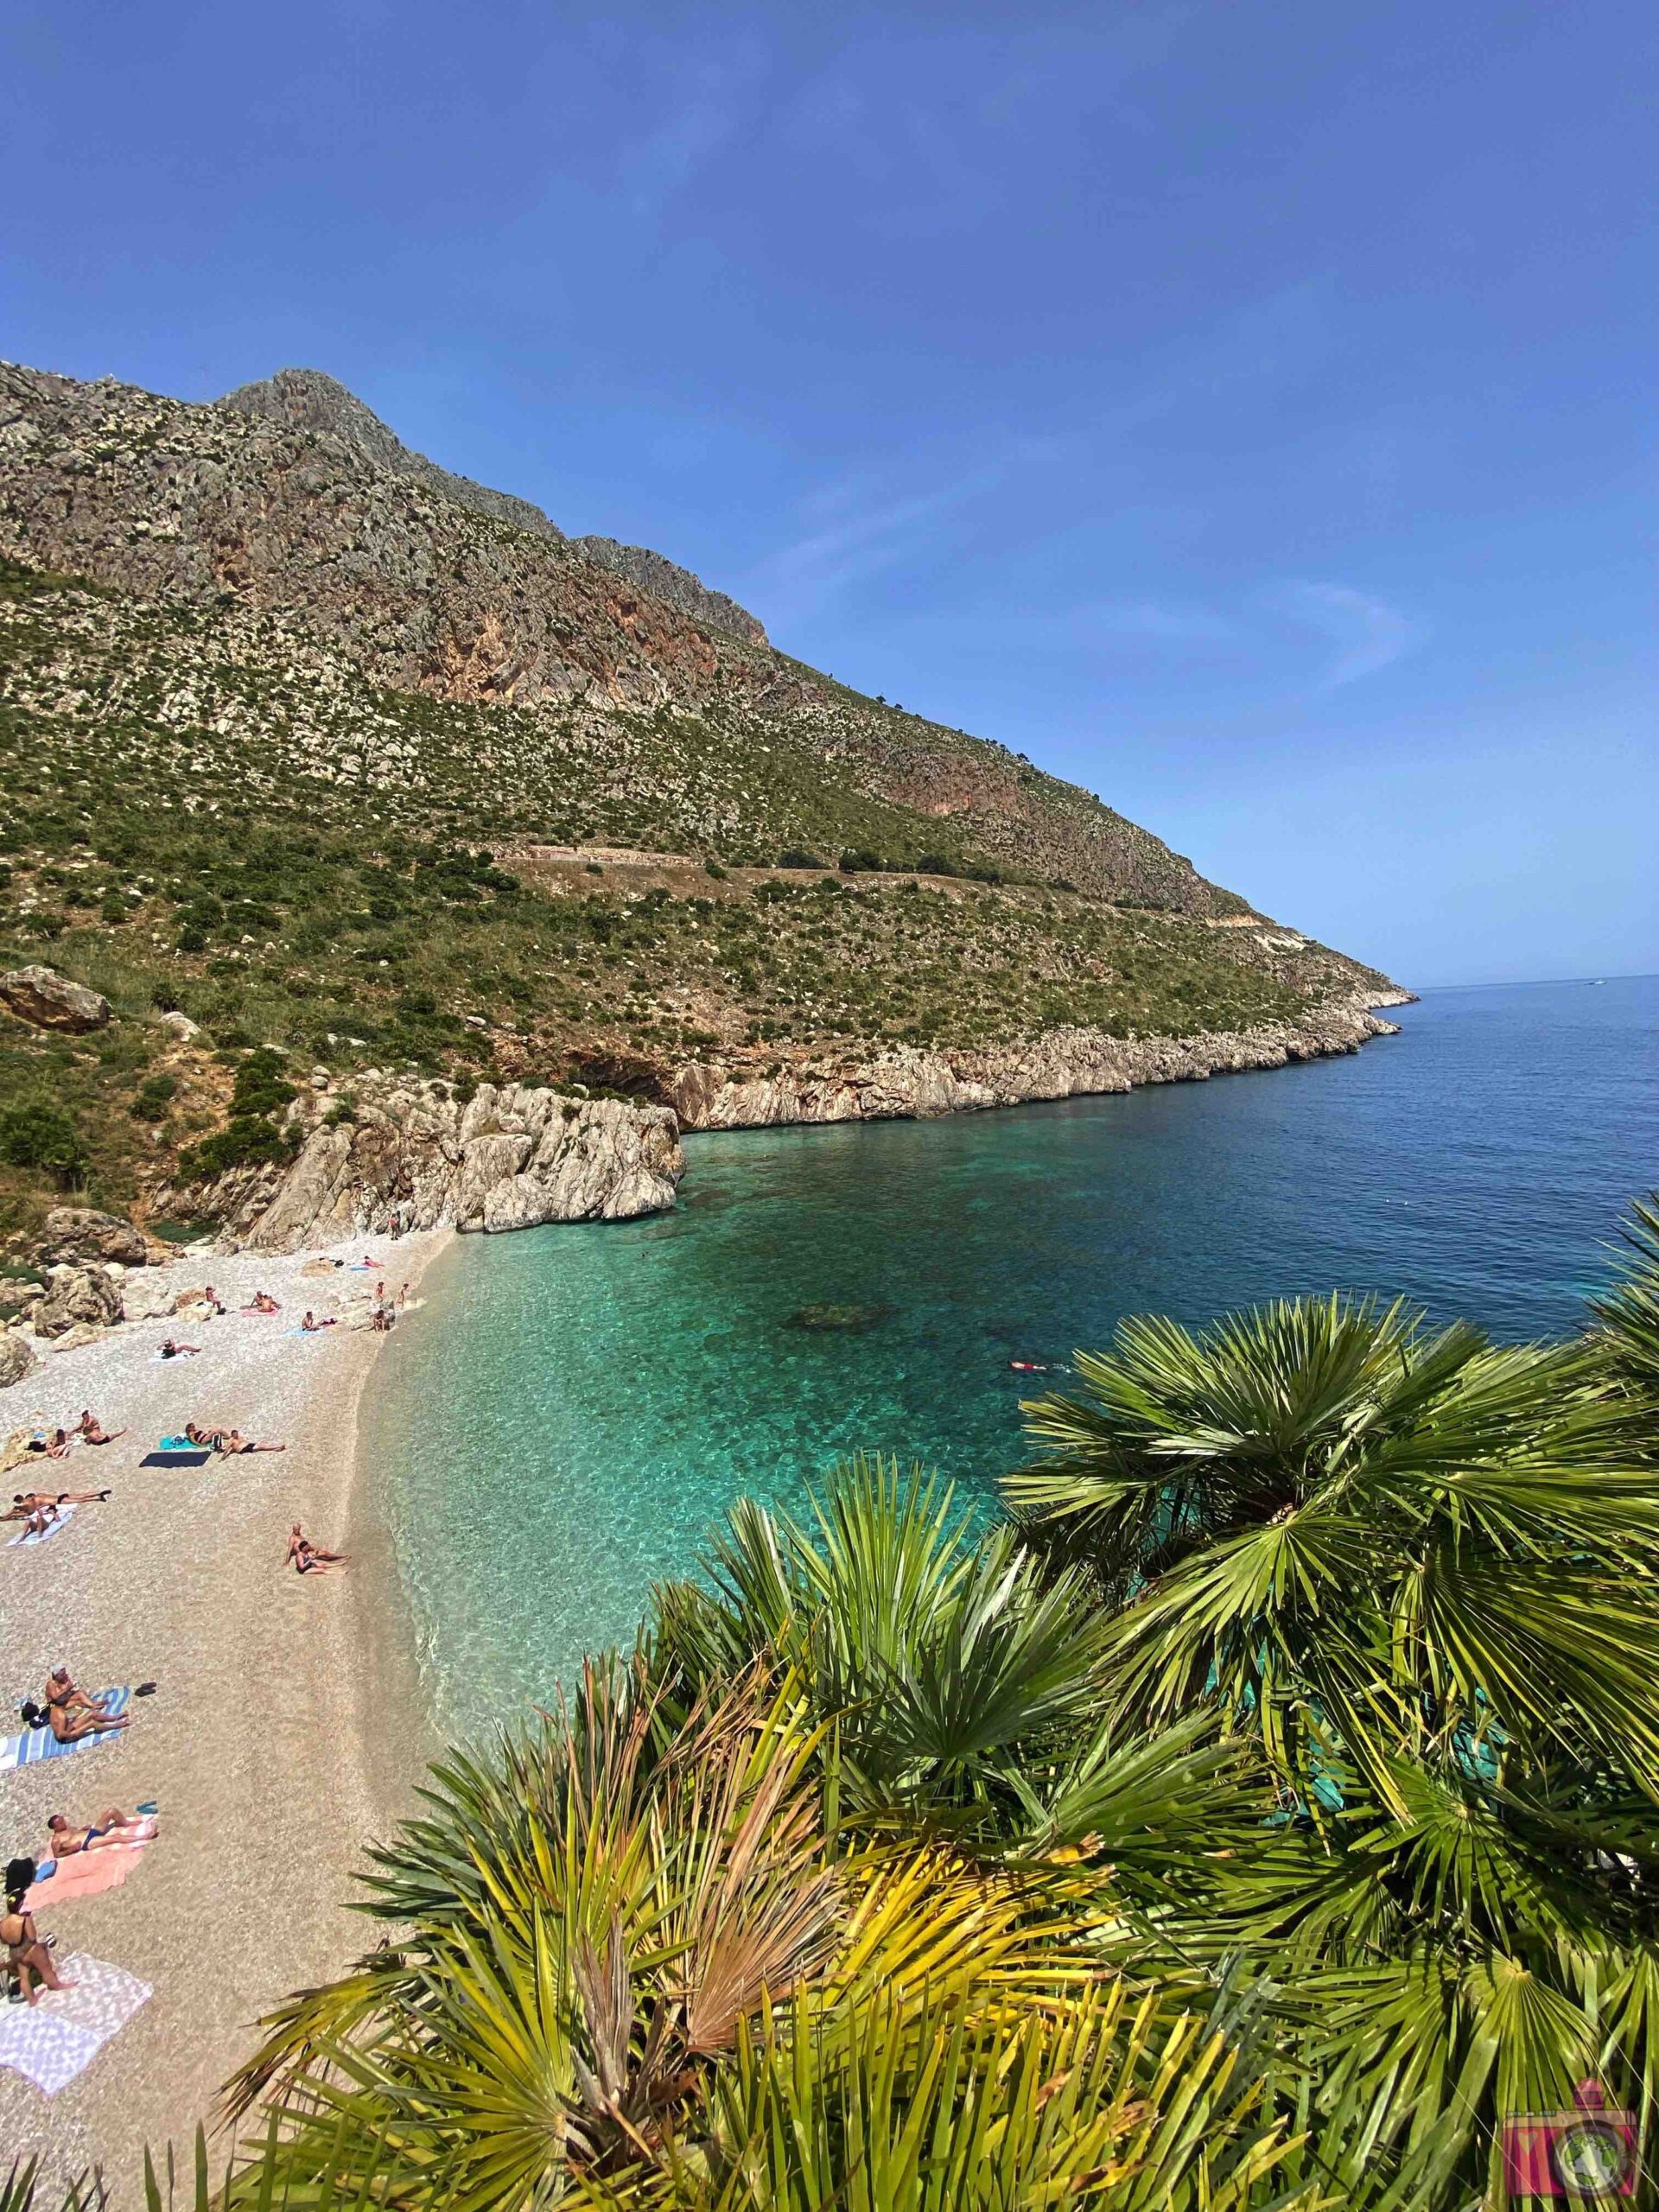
{"x": 1063, "y": 1063}
{"x": 512, "y": 1157}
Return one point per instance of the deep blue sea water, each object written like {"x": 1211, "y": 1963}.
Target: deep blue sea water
{"x": 576, "y": 1407}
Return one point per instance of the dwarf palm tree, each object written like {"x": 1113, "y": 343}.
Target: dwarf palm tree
{"x": 1421, "y": 1571}
{"x": 629, "y": 1968}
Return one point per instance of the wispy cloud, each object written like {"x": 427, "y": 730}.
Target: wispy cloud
{"x": 1368, "y": 633}
{"x": 855, "y": 538}
{"x": 1159, "y": 621}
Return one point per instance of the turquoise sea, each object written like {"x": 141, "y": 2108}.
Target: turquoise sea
{"x": 576, "y": 1407}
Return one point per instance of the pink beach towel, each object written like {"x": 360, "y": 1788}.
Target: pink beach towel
{"x": 88, "y": 1873}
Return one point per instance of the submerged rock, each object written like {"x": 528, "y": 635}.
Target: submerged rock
{"x": 853, "y": 1318}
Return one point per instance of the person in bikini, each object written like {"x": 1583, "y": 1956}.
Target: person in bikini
{"x": 309, "y": 1558}
{"x": 71, "y": 1714}
{"x": 28, "y": 1956}
{"x": 171, "y": 1351}
{"x": 112, "y": 1826}
{"x": 205, "y": 1440}
{"x": 92, "y": 1431}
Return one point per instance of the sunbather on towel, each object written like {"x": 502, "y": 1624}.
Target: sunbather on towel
{"x": 264, "y": 1303}
{"x": 52, "y": 1443}
{"x": 25, "y": 1502}
{"x": 92, "y": 1430}
{"x": 311, "y": 1558}
{"x": 37, "y": 1516}
{"x": 235, "y": 1441}
{"x": 311, "y": 1324}
{"x": 205, "y": 1440}
{"x": 171, "y": 1351}
{"x": 29, "y": 1957}
{"x": 72, "y": 1713}
{"x": 112, "y": 1826}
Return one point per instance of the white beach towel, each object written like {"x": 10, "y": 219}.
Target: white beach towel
{"x": 39, "y": 1535}
{"x": 51, "y": 2042}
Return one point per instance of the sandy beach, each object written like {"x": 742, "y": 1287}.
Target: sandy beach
{"x": 284, "y": 1730}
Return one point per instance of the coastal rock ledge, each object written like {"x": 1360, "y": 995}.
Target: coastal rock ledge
{"x": 1063, "y": 1063}
{"x": 411, "y": 1156}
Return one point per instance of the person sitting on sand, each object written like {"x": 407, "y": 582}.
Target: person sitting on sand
{"x": 205, "y": 1440}
{"x": 171, "y": 1351}
{"x": 112, "y": 1826}
{"x": 265, "y": 1303}
{"x": 71, "y": 1714}
{"x": 309, "y": 1558}
{"x": 28, "y": 1956}
{"x": 37, "y": 1516}
{"x": 311, "y": 1324}
{"x": 211, "y": 1297}
{"x": 92, "y": 1430}
{"x": 235, "y": 1441}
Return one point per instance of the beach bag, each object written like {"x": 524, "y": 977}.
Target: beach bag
{"x": 34, "y": 1716}
{"x": 20, "y": 1876}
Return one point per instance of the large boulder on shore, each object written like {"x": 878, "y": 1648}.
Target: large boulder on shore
{"x": 77, "y": 1294}
{"x": 16, "y": 1360}
{"x": 81, "y": 1233}
{"x": 48, "y": 1001}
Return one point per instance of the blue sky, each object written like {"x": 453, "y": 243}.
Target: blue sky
{"x": 1245, "y": 409}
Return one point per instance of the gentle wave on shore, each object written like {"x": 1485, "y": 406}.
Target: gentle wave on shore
{"x": 587, "y": 1402}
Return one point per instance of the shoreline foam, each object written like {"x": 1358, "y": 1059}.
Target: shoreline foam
{"x": 266, "y": 1798}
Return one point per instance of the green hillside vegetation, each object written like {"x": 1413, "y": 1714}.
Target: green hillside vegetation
{"x": 206, "y": 812}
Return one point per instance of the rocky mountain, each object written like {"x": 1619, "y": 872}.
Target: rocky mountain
{"x": 321, "y": 763}
{"x": 306, "y": 400}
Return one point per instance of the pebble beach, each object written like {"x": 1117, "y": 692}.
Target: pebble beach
{"x": 284, "y": 1730}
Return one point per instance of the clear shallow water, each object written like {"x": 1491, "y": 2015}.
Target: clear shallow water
{"x": 576, "y": 1407}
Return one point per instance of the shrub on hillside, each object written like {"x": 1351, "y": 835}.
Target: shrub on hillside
{"x": 36, "y": 1133}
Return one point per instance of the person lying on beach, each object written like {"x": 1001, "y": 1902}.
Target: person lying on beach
{"x": 92, "y": 1430}
{"x": 71, "y": 1714}
{"x": 309, "y": 1558}
{"x": 263, "y": 1303}
{"x": 25, "y": 1502}
{"x": 235, "y": 1441}
{"x": 112, "y": 1826}
{"x": 311, "y": 1324}
{"x": 52, "y": 1444}
{"x": 29, "y": 1958}
{"x": 171, "y": 1351}
{"x": 37, "y": 1517}
{"x": 205, "y": 1440}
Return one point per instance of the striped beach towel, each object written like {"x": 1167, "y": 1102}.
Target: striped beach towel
{"x": 39, "y": 1535}
{"x": 37, "y": 1744}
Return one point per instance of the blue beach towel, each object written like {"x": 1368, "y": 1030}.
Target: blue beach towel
{"x": 37, "y": 1744}
{"x": 39, "y": 1535}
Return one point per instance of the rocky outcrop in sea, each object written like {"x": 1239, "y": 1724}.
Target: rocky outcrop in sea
{"x": 402, "y": 1154}
{"x": 1062, "y": 1063}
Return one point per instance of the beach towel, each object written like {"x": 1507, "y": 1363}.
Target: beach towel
{"x": 191, "y": 1456}
{"x": 39, "y": 1535}
{"x": 87, "y": 1873}
{"x": 166, "y": 1359}
{"x": 37, "y": 1744}
{"x": 52, "y": 2041}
